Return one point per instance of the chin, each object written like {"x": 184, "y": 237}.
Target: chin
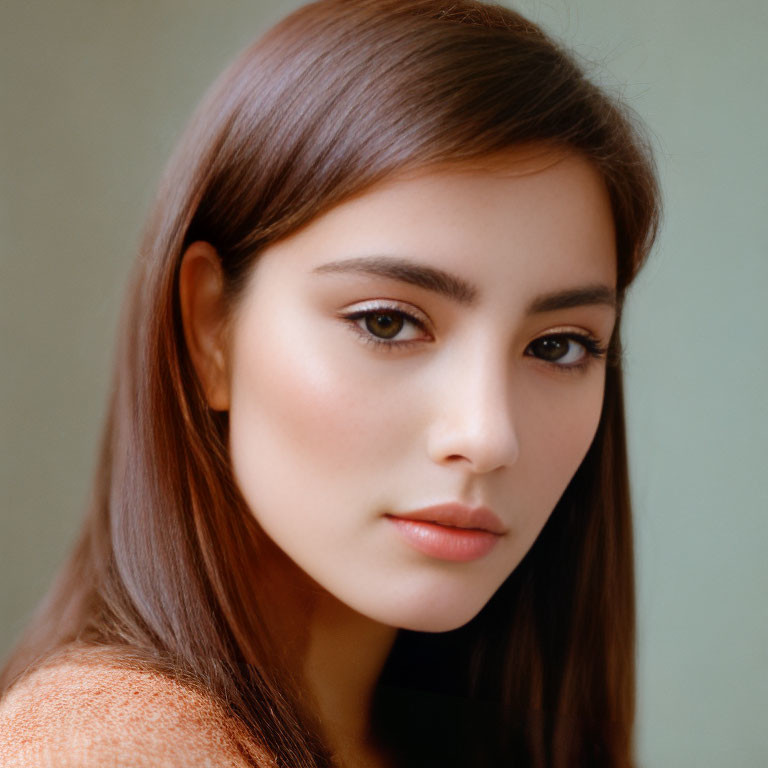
{"x": 431, "y": 615}
{"x": 437, "y": 623}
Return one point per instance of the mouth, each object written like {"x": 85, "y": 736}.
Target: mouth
{"x": 452, "y": 531}
{"x": 457, "y": 516}
{"x": 445, "y": 542}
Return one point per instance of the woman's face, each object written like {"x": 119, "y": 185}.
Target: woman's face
{"x": 434, "y": 340}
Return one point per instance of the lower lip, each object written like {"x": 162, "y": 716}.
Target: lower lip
{"x": 445, "y": 542}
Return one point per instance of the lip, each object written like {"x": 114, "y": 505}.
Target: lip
{"x": 445, "y": 542}
{"x": 456, "y": 515}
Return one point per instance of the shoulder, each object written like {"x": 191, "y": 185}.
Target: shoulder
{"x": 81, "y": 713}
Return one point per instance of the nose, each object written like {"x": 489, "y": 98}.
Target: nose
{"x": 473, "y": 420}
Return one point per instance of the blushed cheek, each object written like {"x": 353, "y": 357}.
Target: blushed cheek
{"x": 578, "y": 438}
{"x": 563, "y": 444}
{"x": 307, "y": 414}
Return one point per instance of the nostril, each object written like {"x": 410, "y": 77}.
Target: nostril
{"x": 484, "y": 450}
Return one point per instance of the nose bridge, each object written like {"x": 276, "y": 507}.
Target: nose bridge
{"x": 475, "y": 418}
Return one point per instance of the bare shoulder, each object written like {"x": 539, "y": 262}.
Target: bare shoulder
{"x": 77, "y": 713}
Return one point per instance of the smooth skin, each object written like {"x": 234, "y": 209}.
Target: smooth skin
{"x": 490, "y": 396}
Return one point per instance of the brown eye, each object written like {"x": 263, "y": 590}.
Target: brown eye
{"x": 381, "y": 325}
{"x": 565, "y": 351}
{"x": 551, "y": 348}
{"x": 384, "y": 325}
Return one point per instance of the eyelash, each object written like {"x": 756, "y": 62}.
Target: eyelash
{"x": 594, "y": 350}
{"x": 369, "y": 338}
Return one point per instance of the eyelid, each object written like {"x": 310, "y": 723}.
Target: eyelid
{"x": 564, "y": 330}
{"x": 594, "y": 348}
{"x": 413, "y": 316}
{"x": 371, "y": 305}
{"x": 574, "y": 332}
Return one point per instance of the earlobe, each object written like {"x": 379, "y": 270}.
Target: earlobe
{"x": 203, "y": 312}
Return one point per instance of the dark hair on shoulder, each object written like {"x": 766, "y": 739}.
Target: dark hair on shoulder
{"x": 339, "y": 95}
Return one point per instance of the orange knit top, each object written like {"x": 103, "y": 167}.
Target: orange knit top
{"x": 79, "y": 712}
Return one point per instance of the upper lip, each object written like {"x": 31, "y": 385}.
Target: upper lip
{"x": 457, "y": 515}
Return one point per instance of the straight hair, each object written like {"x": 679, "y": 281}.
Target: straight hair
{"x": 338, "y": 96}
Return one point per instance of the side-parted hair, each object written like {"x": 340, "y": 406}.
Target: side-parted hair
{"x": 338, "y": 96}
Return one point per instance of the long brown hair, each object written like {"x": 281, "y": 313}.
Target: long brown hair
{"x": 340, "y": 95}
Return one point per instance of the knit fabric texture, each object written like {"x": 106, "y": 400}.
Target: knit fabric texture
{"x": 81, "y": 713}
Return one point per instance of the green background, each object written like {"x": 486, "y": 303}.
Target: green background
{"x": 95, "y": 93}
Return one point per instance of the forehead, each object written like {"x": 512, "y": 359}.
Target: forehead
{"x": 523, "y": 222}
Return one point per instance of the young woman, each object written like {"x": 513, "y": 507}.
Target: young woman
{"x": 362, "y": 497}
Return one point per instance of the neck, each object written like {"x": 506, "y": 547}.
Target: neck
{"x": 339, "y": 652}
{"x": 344, "y": 659}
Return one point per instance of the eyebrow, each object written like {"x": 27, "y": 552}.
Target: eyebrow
{"x": 460, "y": 290}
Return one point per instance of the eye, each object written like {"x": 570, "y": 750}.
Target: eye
{"x": 385, "y": 326}
{"x": 566, "y": 350}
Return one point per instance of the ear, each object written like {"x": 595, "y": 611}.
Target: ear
{"x": 203, "y": 313}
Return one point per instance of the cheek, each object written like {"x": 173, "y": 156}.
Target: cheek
{"x": 555, "y": 436}
{"x": 572, "y": 428}
{"x": 306, "y": 419}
